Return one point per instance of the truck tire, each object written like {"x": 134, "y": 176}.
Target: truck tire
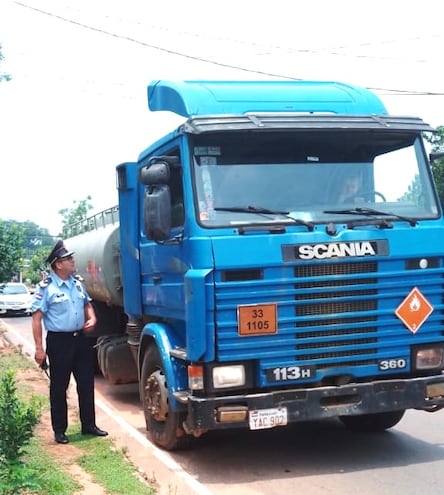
{"x": 372, "y": 423}
{"x": 163, "y": 425}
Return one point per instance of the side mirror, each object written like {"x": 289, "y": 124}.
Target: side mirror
{"x": 157, "y": 212}
{"x": 156, "y": 173}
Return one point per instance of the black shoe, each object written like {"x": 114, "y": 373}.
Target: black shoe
{"x": 61, "y": 438}
{"x": 93, "y": 430}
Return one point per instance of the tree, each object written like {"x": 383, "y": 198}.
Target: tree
{"x": 414, "y": 192}
{"x": 24, "y": 246}
{"x": 11, "y": 249}
{"x": 35, "y": 237}
{"x": 27, "y": 255}
{"x": 34, "y": 268}
{"x": 76, "y": 215}
{"x": 3, "y": 76}
{"x": 437, "y": 142}
{"x": 37, "y": 245}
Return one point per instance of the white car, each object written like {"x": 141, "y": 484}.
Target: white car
{"x": 15, "y": 299}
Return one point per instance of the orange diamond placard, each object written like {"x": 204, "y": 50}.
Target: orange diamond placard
{"x": 414, "y": 310}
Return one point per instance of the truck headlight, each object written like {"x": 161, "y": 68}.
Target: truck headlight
{"x": 429, "y": 358}
{"x": 229, "y": 376}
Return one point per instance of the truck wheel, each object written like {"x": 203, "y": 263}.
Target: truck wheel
{"x": 372, "y": 423}
{"x": 164, "y": 426}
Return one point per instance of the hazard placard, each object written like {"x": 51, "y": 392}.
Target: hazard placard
{"x": 257, "y": 319}
{"x": 414, "y": 310}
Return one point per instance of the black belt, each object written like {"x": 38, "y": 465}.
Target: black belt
{"x": 76, "y": 333}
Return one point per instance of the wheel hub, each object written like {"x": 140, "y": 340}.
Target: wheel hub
{"x": 157, "y": 396}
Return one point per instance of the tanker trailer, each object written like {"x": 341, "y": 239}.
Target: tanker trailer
{"x": 115, "y": 339}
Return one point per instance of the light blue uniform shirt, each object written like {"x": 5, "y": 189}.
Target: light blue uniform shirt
{"x": 62, "y": 303}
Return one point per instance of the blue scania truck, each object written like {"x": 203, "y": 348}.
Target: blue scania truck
{"x": 277, "y": 258}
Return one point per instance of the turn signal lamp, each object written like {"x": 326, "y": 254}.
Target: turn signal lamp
{"x": 195, "y": 377}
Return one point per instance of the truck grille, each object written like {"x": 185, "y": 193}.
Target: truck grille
{"x": 320, "y": 302}
{"x": 339, "y": 317}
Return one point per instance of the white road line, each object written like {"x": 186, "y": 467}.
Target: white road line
{"x": 162, "y": 456}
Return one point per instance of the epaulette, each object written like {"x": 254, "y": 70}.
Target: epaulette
{"x": 79, "y": 277}
{"x": 45, "y": 282}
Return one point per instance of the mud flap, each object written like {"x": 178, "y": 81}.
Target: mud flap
{"x": 115, "y": 359}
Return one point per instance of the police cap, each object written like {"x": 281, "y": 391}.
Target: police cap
{"x": 58, "y": 251}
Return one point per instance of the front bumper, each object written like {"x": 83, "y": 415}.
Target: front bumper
{"x": 15, "y": 311}
{"x": 325, "y": 402}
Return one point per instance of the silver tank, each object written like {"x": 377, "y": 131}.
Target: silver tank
{"x": 97, "y": 255}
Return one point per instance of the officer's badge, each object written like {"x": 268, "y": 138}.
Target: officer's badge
{"x": 45, "y": 282}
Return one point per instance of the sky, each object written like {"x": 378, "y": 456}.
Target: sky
{"x": 77, "y": 106}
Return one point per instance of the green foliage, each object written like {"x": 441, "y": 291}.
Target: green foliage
{"x": 11, "y": 249}
{"x": 109, "y": 467}
{"x": 436, "y": 139}
{"x": 24, "y": 246}
{"x": 3, "y": 76}
{"x": 39, "y": 472}
{"x": 438, "y": 174}
{"x": 16, "y": 477}
{"x": 35, "y": 237}
{"x": 437, "y": 142}
{"x": 35, "y": 267}
{"x": 78, "y": 214}
{"x": 49, "y": 476}
{"x": 37, "y": 244}
{"x": 17, "y": 422}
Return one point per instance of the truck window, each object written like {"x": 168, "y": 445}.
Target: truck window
{"x": 302, "y": 174}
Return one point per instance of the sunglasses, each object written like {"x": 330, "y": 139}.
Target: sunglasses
{"x": 67, "y": 258}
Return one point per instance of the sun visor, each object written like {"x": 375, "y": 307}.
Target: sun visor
{"x": 193, "y": 98}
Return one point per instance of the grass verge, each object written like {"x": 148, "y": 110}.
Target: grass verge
{"x": 108, "y": 466}
{"x": 49, "y": 472}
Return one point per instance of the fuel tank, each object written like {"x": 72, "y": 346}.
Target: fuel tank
{"x": 97, "y": 255}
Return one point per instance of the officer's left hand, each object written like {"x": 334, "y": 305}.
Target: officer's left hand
{"x": 89, "y": 325}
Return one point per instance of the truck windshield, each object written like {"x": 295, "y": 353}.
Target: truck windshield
{"x": 316, "y": 177}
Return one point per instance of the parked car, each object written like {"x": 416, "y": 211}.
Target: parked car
{"x": 15, "y": 299}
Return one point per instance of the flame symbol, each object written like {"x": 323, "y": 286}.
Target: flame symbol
{"x": 415, "y": 304}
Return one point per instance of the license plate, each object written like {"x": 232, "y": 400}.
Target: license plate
{"x": 261, "y": 419}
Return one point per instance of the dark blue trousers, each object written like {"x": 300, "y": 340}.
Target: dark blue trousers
{"x": 70, "y": 353}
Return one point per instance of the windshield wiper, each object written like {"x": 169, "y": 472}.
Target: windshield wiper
{"x": 251, "y": 209}
{"x": 370, "y": 212}
{"x": 265, "y": 211}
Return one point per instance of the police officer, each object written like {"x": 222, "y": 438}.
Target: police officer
{"x": 63, "y": 308}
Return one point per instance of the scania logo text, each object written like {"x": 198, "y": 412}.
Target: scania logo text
{"x": 334, "y": 250}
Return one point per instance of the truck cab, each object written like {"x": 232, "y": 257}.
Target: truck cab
{"x": 282, "y": 255}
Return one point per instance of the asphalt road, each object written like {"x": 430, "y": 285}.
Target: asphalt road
{"x": 311, "y": 458}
